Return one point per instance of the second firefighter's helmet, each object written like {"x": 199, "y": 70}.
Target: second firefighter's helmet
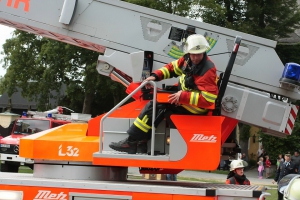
{"x": 292, "y": 192}
{"x": 237, "y": 164}
{"x": 196, "y": 44}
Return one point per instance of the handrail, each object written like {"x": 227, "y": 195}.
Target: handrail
{"x": 122, "y": 102}
{"x": 263, "y": 195}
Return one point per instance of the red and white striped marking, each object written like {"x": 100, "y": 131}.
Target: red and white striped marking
{"x": 292, "y": 118}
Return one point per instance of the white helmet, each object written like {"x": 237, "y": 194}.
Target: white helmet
{"x": 292, "y": 192}
{"x": 196, "y": 44}
{"x": 237, "y": 164}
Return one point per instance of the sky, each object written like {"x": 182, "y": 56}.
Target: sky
{"x": 5, "y": 33}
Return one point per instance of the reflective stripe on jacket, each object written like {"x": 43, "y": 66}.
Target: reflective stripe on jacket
{"x": 233, "y": 181}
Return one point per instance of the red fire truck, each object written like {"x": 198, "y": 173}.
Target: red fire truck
{"x": 28, "y": 124}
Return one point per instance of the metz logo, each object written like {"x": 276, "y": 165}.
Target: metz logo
{"x": 16, "y": 3}
{"x": 46, "y": 194}
{"x": 203, "y": 138}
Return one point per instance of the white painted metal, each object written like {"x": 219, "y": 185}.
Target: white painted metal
{"x": 67, "y": 11}
{"x": 258, "y": 109}
{"x": 79, "y": 172}
{"x": 14, "y": 158}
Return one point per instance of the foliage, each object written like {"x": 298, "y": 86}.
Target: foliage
{"x": 252, "y": 162}
{"x": 245, "y": 132}
{"x": 229, "y": 13}
{"x": 288, "y": 53}
{"x": 39, "y": 65}
{"x": 176, "y": 7}
{"x": 269, "y": 19}
{"x": 274, "y": 18}
{"x": 274, "y": 145}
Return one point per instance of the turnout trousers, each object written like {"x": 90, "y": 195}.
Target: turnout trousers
{"x": 141, "y": 128}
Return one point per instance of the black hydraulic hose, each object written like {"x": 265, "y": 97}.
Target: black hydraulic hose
{"x": 226, "y": 75}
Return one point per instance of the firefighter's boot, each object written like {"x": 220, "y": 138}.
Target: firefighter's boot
{"x": 128, "y": 145}
{"x": 142, "y": 147}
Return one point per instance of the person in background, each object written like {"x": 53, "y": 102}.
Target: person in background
{"x": 172, "y": 177}
{"x": 285, "y": 168}
{"x": 280, "y": 156}
{"x": 268, "y": 167}
{"x": 227, "y": 164}
{"x": 279, "y": 159}
{"x": 244, "y": 157}
{"x": 260, "y": 168}
{"x": 259, "y": 152}
{"x": 277, "y": 163}
{"x": 263, "y": 155}
{"x": 296, "y": 161}
{"x": 236, "y": 175}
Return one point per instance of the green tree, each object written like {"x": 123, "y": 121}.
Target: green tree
{"x": 275, "y": 146}
{"x": 39, "y": 65}
{"x": 244, "y": 131}
{"x": 28, "y": 53}
{"x": 288, "y": 53}
{"x": 270, "y": 19}
{"x": 273, "y": 18}
{"x": 177, "y": 7}
{"x": 224, "y": 13}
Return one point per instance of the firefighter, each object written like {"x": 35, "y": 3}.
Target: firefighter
{"x": 236, "y": 175}
{"x": 285, "y": 168}
{"x": 197, "y": 91}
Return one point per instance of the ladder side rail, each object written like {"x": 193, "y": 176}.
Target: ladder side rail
{"x": 225, "y": 78}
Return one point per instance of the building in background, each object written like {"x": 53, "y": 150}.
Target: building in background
{"x": 17, "y": 104}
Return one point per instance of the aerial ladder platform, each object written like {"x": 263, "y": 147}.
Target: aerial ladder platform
{"x": 254, "y": 90}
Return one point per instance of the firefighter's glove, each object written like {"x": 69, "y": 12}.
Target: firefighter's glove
{"x": 174, "y": 98}
{"x": 150, "y": 78}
